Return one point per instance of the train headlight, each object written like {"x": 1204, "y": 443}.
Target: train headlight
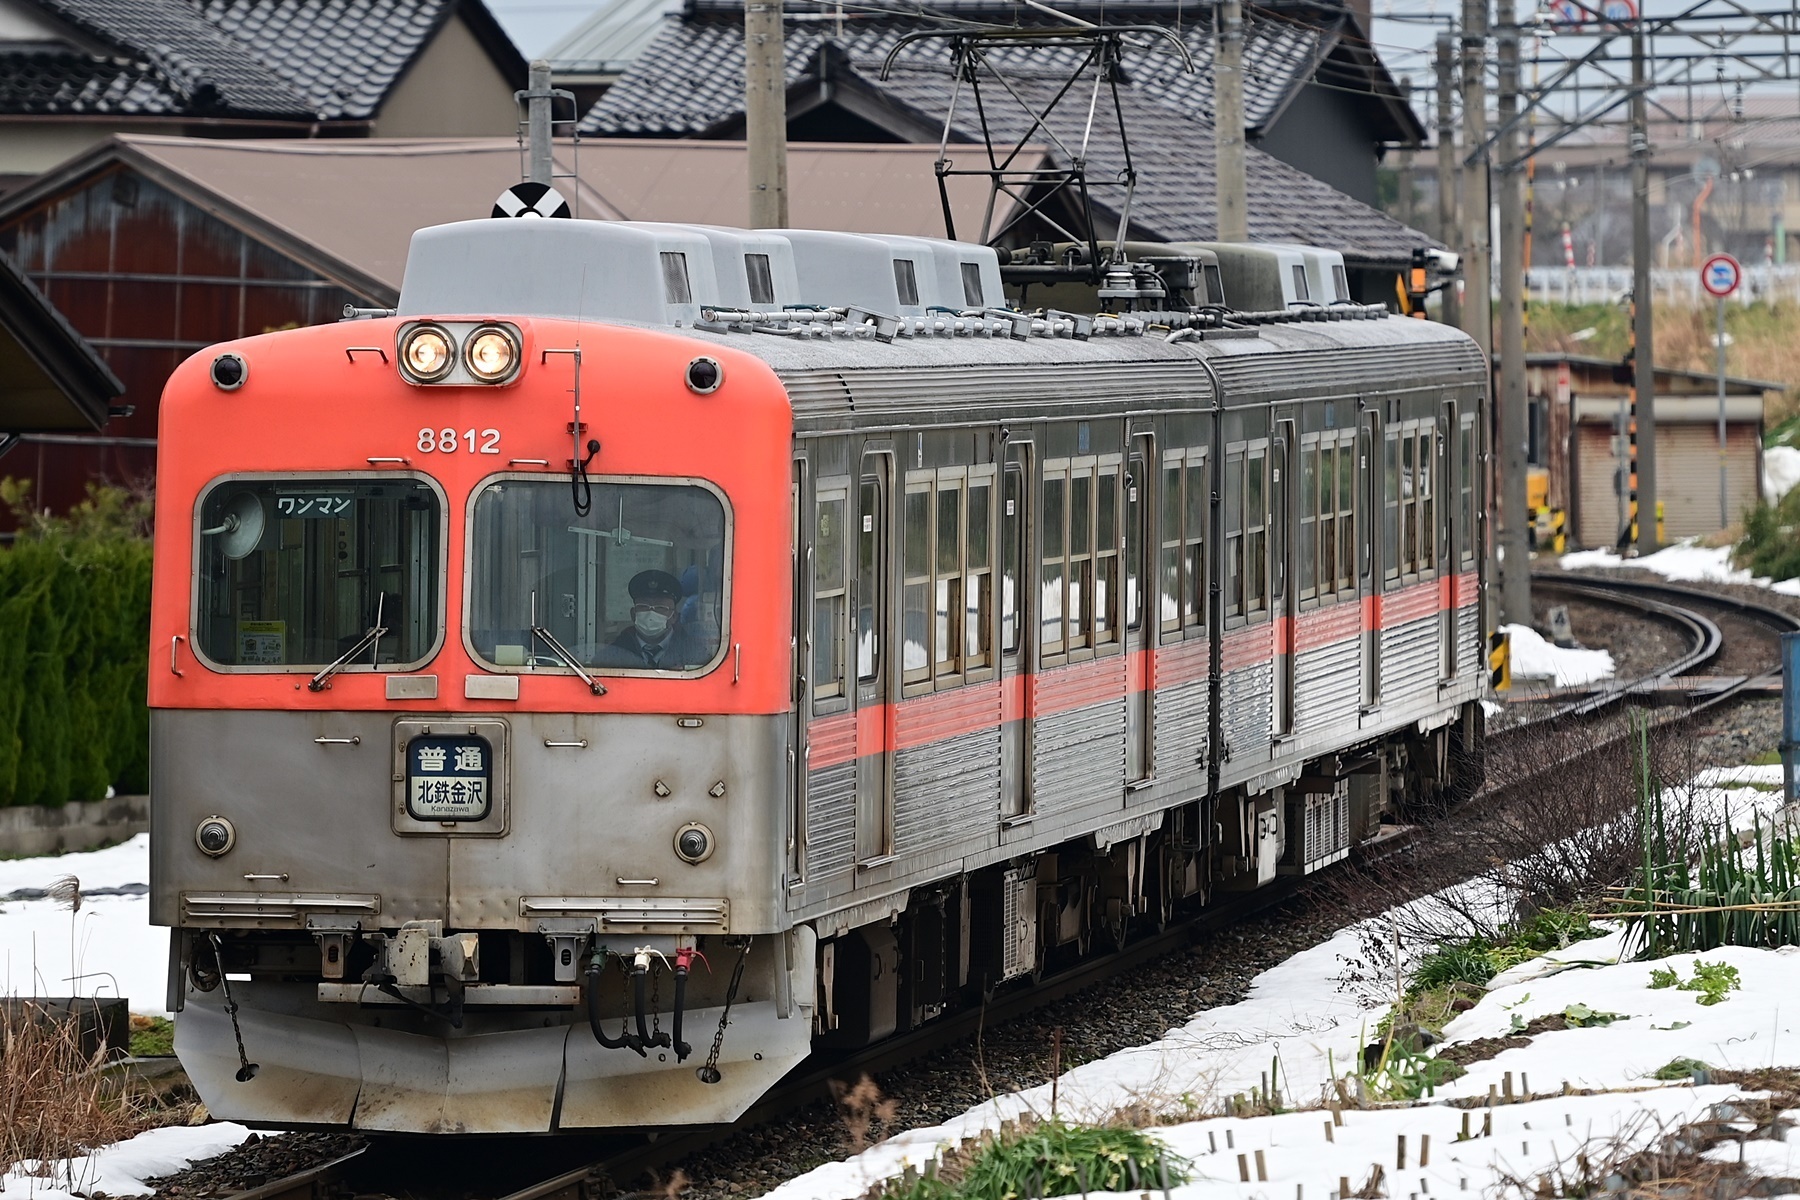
{"x": 694, "y": 843}
{"x": 427, "y": 354}
{"x": 215, "y": 835}
{"x": 491, "y": 354}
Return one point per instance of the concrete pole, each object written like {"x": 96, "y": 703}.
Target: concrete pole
{"x": 1403, "y": 168}
{"x": 538, "y": 99}
{"x": 1478, "y": 307}
{"x": 1449, "y": 214}
{"x": 1228, "y": 122}
{"x": 765, "y": 113}
{"x": 1644, "y": 324}
{"x": 1515, "y": 568}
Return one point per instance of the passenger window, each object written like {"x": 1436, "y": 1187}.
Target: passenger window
{"x": 1234, "y": 535}
{"x": 1012, "y": 557}
{"x": 1051, "y": 591}
{"x": 1390, "y": 504}
{"x": 1346, "y": 510}
{"x": 978, "y": 577}
{"x": 947, "y": 639}
{"x": 1309, "y": 521}
{"x": 868, "y": 574}
{"x": 1193, "y": 535}
{"x": 1465, "y": 530}
{"x": 1256, "y": 566}
{"x": 831, "y": 595}
{"x": 915, "y": 585}
{"x": 1425, "y": 485}
{"x": 1172, "y": 591}
{"x": 1106, "y": 557}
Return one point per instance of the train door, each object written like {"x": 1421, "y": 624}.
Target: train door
{"x": 1449, "y": 485}
{"x": 874, "y": 662}
{"x": 1368, "y": 573}
{"x": 1140, "y": 635}
{"x": 1015, "y": 627}
{"x": 1282, "y": 450}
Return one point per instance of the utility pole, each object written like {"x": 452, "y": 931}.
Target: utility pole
{"x": 765, "y": 113}
{"x": 1644, "y": 392}
{"x": 1449, "y": 224}
{"x": 1228, "y": 122}
{"x": 538, "y": 114}
{"x": 1515, "y": 569}
{"x": 1478, "y": 315}
{"x": 1404, "y": 169}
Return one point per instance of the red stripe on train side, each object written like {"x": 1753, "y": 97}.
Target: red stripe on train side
{"x": 1247, "y": 646}
{"x": 830, "y": 740}
{"x": 1323, "y": 626}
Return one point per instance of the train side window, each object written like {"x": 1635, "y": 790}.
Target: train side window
{"x": 1390, "y": 503}
{"x": 1425, "y": 486}
{"x": 1310, "y": 521}
{"x": 1080, "y": 629}
{"x": 1409, "y": 502}
{"x": 1172, "y": 592}
{"x": 915, "y": 583}
{"x": 1346, "y": 513}
{"x": 1234, "y": 534}
{"x": 1052, "y": 592}
{"x": 1465, "y": 525}
{"x": 947, "y": 614}
{"x": 1193, "y": 541}
{"x": 868, "y": 569}
{"x": 831, "y": 594}
{"x": 1012, "y": 556}
{"x": 978, "y": 575}
{"x": 1106, "y": 556}
{"x": 1256, "y": 522}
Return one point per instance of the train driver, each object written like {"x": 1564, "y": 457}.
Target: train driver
{"x": 655, "y": 639}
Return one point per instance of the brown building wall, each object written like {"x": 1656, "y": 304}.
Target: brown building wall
{"x": 148, "y": 279}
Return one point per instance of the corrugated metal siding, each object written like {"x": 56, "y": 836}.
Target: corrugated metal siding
{"x": 831, "y": 796}
{"x": 1078, "y": 743}
{"x": 1599, "y": 520}
{"x": 1244, "y": 708}
{"x": 1341, "y": 370}
{"x": 1410, "y": 659}
{"x": 1687, "y": 476}
{"x": 946, "y": 790}
{"x": 1183, "y": 709}
{"x": 1471, "y": 653}
{"x": 1328, "y": 684}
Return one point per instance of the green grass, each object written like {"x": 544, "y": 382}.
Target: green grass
{"x": 158, "y": 1039}
{"x": 1050, "y": 1158}
{"x": 1678, "y": 1069}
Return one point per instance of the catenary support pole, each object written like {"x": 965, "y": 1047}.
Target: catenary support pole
{"x": 1643, "y": 323}
{"x": 538, "y": 99}
{"x": 1509, "y": 182}
{"x": 1449, "y": 215}
{"x": 765, "y": 113}
{"x": 1478, "y": 318}
{"x": 1228, "y": 122}
{"x": 1719, "y": 338}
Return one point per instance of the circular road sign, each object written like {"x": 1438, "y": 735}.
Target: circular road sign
{"x": 1720, "y": 275}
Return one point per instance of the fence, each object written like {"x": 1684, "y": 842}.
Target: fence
{"x": 1676, "y": 287}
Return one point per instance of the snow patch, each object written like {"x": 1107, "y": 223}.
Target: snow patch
{"x": 1781, "y": 472}
{"x": 1535, "y": 658}
{"x": 1683, "y": 562}
{"x": 120, "y": 1169}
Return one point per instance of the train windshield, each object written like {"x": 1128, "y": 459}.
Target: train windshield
{"x": 636, "y": 584}
{"x": 295, "y": 572}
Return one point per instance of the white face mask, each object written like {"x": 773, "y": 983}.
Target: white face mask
{"x": 650, "y": 623}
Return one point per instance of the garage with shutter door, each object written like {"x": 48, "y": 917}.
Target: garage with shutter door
{"x": 1578, "y": 421}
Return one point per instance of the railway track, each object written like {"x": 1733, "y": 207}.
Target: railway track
{"x": 588, "y": 1168}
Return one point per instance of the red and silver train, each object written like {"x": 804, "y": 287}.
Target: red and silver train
{"x": 583, "y": 692}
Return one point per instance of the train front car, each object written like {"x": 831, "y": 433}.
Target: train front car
{"x": 467, "y": 765}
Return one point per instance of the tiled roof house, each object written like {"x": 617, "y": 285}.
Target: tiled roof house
{"x": 1319, "y": 106}
{"x": 74, "y": 72}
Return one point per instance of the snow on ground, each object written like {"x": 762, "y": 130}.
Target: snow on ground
{"x": 120, "y": 1170}
{"x": 1533, "y": 657}
{"x": 1308, "y": 1018}
{"x": 1683, "y": 562}
{"x": 110, "y": 941}
{"x": 1781, "y": 472}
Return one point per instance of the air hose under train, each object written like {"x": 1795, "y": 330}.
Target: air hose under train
{"x": 596, "y": 965}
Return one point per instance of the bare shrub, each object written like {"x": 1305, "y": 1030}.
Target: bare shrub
{"x": 864, "y": 1111}
{"x": 1557, "y": 825}
{"x": 55, "y": 1103}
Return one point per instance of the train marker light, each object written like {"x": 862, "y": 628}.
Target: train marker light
{"x": 694, "y": 843}
{"x": 229, "y": 371}
{"x": 427, "y": 354}
{"x": 705, "y": 376}
{"x": 492, "y": 354}
{"x": 215, "y": 835}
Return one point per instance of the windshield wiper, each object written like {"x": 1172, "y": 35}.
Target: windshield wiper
{"x": 598, "y": 688}
{"x": 371, "y": 640}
